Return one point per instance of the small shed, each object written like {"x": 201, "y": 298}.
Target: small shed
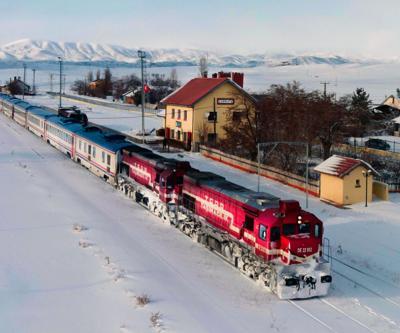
{"x": 129, "y": 97}
{"x": 345, "y": 180}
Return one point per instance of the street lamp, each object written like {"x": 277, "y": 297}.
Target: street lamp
{"x": 60, "y": 61}
{"x": 366, "y": 174}
{"x": 23, "y": 86}
{"x": 142, "y": 55}
{"x": 33, "y": 82}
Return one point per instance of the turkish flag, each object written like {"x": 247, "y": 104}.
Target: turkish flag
{"x": 146, "y": 89}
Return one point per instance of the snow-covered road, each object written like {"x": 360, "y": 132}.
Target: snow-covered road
{"x": 53, "y": 279}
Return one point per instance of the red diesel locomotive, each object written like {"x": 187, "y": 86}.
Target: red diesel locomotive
{"x": 270, "y": 240}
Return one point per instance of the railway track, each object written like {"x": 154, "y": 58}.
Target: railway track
{"x": 362, "y": 285}
{"x": 336, "y": 324}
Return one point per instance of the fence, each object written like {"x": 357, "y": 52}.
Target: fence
{"x": 392, "y": 145}
{"x": 284, "y": 177}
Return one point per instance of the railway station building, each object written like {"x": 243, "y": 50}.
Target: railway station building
{"x": 198, "y": 111}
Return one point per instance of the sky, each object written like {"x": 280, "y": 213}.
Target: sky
{"x": 346, "y": 27}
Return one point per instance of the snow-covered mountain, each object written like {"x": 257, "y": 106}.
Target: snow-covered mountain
{"x": 76, "y": 52}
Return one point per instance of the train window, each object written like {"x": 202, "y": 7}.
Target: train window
{"x": 80, "y": 145}
{"x": 94, "y": 151}
{"x": 103, "y": 156}
{"x": 262, "y": 232}
{"x": 84, "y": 147}
{"x": 189, "y": 202}
{"x": 89, "y": 149}
{"x": 108, "y": 159}
{"x": 249, "y": 223}
{"x": 275, "y": 234}
{"x": 304, "y": 228}
{"x": 317, "y": 230}
{"x": 289, "y": 229}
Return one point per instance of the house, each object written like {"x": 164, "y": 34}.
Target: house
{"x": 345, "y": 181}
{"x": 96, "y": 84}
{"x": 390, "y": 104}
{"x": 197, "y": 111}
{"x": 128, "y": 97}
{"x": 18, "y": 87}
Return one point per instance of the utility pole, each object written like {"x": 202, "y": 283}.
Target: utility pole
{"x": 325, "y": 83}
{"x": 23, "y": 86}
{"x": 215, "y": 123}
{"x": 51, "y": 82}
{"x": 142, "y": 56}
{"x": 33, "y": 82}
{"x": 60, "y": 102}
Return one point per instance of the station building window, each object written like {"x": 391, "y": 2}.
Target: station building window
{"x": 185, "y": 115}
{"x": 173, "y": 113}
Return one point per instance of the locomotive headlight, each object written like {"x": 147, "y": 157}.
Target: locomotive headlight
{"x": 299, "y": 219}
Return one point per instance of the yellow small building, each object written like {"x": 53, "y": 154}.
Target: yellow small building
{"x": 345, "y": 180}
{"x": 197, "y": 112}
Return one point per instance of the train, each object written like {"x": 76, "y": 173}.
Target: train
{"x": 272, "y": 241}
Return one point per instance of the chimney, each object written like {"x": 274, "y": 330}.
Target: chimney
{"x": 238, "y": 78}
{"x": 205, "y": 74}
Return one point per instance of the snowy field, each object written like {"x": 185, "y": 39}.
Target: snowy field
{"x": 379, "y": 80}
{"x": 55, "y": 279}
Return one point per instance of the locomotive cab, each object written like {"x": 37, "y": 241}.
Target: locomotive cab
{"x": 288, "y": 233}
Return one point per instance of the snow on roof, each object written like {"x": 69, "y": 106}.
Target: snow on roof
{"x": 193, "y": 91}
{"x": 341, "y": 166}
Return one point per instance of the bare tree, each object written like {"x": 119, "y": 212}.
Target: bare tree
{"x": 174, "y": 79}
{"x": 203, "y": 130}
{"x": 203, "y": 66}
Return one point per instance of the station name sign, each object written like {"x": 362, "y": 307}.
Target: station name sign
{"x": 225, "y": 101}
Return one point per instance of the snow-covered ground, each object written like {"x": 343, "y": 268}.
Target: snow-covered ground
{"x": 51, "y": 282}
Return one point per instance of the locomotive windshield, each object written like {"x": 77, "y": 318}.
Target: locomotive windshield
{"x": 289, "y": 229}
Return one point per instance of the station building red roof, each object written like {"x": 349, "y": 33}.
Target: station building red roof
{"x": 341, "y": 166}
{"x": 194, "y": 90}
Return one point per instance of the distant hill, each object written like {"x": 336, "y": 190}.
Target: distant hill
{"x": 83, "y": 53}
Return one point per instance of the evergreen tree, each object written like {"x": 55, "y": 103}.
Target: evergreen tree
{"x": 361, "y": 106}
{"x": 108, "y": 85}
{"x": 90, "y": 76}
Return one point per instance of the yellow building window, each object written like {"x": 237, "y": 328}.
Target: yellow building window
{"x": 179, "y": 114}
{"x": 185, "y": 115}
{"x": 173, "y": 113}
